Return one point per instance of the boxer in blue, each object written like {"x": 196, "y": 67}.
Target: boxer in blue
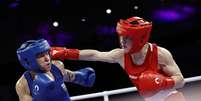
{"x": 44, "y": 78}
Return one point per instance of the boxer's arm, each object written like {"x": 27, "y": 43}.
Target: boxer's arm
{"x": 169, "y": 66}
{"x": 22, "y": 90}
{"x": 85, "y": 77}
{"x": 63, "y": 53}
{"x": 68, "y": 74}
{"x": 113, "y": 56}
{"x": 82, "y": 76}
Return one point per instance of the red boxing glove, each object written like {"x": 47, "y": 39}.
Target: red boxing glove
{"x": 62, "y": 53}
{"x": 150, "y": 82}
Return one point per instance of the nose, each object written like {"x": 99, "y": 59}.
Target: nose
{"x": 47, "y": 57}
{"x": 122, "y": 41}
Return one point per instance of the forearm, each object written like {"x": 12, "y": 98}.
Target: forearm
{"x": 94, "y": 55}
{"x": 179, "y": 81}
{"x": 89, "y": 55}
{"x": 86, "y": 54}
{"x": 175, "y": 74}
{"x": 69, "y": 76}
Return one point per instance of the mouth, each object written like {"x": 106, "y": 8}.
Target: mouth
{"x": 47, "y": 63}
{"x": 48, "y": 66}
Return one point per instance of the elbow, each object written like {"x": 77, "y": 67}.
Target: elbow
{"x": 180, "y": 83}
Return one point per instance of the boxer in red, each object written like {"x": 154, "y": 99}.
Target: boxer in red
{"x": 151, "y": 68}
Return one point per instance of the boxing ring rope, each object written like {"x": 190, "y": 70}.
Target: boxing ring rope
{"x": 105, "y": 94}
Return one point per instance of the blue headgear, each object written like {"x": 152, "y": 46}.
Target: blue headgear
{"x": 29, "y": 50}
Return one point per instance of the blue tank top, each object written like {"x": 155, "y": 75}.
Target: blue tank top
{"x": 59, "y": 93}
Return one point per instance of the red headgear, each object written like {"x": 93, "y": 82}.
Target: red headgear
{"x": 136, "y": 28}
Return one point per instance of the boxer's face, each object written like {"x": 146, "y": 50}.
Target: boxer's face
{"x": 44, "y": 61}
{"x": 126, "y": 43}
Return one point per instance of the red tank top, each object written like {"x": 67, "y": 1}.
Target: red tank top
{"x": 150, "y": 63}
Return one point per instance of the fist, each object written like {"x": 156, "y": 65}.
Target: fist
{"x": 85, "y": 77}
{"x": 57, "y": 52}
{"x": 151, "y": 82}
{"x": 63, "y": 53}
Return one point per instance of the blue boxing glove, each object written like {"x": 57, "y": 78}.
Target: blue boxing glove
{"x": 85, "y": 77}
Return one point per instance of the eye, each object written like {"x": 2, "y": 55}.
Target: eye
{"x": 42, "y": 54}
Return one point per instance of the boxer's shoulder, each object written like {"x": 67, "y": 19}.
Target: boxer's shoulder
{"x": 162, "y": 51}
{"x": 117, "y": 53}
{"x": 22, "y": 85}
{"x": 164, "y": 55}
